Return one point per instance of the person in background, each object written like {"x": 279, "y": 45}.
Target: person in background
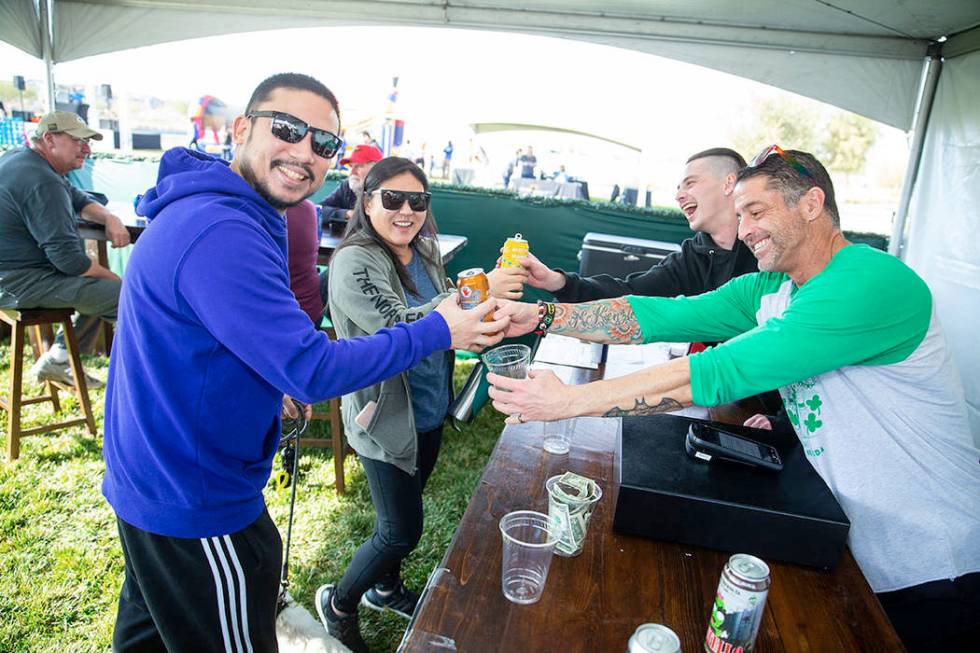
{"x": 304, "y": 247}
{"x": 210, "y": 339}
{"x": 42, "y": 258}
{"x": 447, "y": 157}
{"x": 339, "y": 205}
{"x": 388, "y": 269}
{"x": 528, "y": 162}
{"x": 850, "y": 336}
{"x": 509, "y": 170}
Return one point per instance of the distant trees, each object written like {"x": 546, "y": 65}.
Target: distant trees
{"x": 838, "y": 138}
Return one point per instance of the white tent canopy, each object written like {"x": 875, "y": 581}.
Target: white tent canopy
{"x": 862, "y": 55}
{"x": 866, "y": 56}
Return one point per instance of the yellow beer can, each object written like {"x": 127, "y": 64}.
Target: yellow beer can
{"x": 515, "y": 249}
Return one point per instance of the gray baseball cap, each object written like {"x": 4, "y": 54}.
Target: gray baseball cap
{"x": 66, "y": 122}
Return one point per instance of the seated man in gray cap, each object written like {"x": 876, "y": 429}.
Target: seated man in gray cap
{"x": 42, "y": 258}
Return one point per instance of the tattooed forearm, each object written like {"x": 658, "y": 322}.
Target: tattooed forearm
{"x": 609, "y": 321}
{"x": 642, "y": 408}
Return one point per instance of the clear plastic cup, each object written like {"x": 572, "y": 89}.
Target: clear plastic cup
{"x": 529, "y": 545}
{"x": 511, "y": 361}
{"x": 569, "y": 518}
{"x": 558, "y": 436}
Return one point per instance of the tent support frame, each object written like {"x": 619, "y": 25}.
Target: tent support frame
{"x": 923, "y": 107}
{"x": 44, "y": 26}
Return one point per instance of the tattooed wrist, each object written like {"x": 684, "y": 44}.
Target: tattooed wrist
{"x": 640, "y": 407}
{"x": 608, "y": 321}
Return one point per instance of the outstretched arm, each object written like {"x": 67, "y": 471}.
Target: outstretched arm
{"x": 543, "y": 396}
{"x": 607, "y": 321}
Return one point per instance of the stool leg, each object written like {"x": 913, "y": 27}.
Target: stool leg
{"x": 337, "y": 440}
{"x": 53, "y": 395}
{"x": 16, "y": 384}
{"x": 81, "y": 388}
{"x": 37, "y": 342}
{"x": 40, "y": 346}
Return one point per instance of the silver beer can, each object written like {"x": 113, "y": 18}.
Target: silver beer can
{"x": 738, "y": 606}
{"x": 654, "y": 638}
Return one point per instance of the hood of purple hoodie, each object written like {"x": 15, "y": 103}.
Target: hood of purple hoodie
{"x": 184, "y": 172}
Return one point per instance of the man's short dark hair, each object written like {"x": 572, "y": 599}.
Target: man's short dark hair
{"x": 297, "y": 81}
{"x": 792, "y": 183}
{"x": 732, "y": 160}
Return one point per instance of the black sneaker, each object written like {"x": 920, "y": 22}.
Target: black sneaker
{"x": 402, "y": 601}
{"x": 347, "y": 629}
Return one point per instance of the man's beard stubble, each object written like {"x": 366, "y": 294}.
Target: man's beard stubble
{"x": 263, "y": 190}
{"x": 356, "y": 184}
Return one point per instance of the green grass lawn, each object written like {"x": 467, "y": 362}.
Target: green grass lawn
{"x": 61, "y": 565}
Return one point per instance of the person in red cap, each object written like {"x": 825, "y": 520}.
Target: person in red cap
{"x": 339, "y": 205}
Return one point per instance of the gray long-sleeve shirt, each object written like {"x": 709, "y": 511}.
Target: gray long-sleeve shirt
{"x": 38, "y": 228}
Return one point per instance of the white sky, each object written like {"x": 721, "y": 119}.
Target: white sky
{"x": 450, "y": 78}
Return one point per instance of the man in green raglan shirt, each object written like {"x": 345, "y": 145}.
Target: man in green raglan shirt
{"x": 849, "y": 336}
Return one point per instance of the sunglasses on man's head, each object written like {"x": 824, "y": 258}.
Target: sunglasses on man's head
{"x": 393, "y": 200}
{"x": 790, "y": 160}
{"x": 291, "y": 129}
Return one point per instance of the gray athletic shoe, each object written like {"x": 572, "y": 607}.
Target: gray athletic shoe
{"x": 47, "y": 369}
{"x": 402, "y": 601}
{"x": 347, "y": 629}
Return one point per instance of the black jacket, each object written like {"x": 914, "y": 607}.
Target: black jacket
{"x": 337, "y": 203}
{"x": 699, "y": 267}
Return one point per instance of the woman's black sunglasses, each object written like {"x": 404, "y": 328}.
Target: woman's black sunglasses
{"x": 291, "y": 129}
{"x": 393, "y": 200}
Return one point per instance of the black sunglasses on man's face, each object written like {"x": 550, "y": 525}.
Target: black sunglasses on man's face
{"x": 289, "y": 128}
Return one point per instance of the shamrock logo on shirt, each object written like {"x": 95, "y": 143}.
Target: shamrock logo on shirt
{"x": 814, "y": 403}
{"x": 812, "y": 423}
{"x": 804, "y": 413}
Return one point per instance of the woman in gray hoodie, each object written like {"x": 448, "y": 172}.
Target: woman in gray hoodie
{"x": 387, "y": 270}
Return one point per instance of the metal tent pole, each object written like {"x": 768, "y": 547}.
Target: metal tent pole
{"x": 44, "y": 25}
{"x": 920, "y": 122}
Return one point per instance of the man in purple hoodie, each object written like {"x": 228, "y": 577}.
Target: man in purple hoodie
{"x": 209, "y": 339}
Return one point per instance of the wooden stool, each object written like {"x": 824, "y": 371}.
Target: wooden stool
{"x": 336, "y": 440}
{"x": 20, "y": 321}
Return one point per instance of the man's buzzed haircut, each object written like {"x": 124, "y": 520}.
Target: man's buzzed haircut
{"x": 297, "y": 81}
{"x": 724, "y": 161}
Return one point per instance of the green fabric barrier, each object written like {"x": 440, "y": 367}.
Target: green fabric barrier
{"x": 554, "y": 228}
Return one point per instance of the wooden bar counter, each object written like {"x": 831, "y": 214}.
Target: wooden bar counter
{"x": 595, "y": 601}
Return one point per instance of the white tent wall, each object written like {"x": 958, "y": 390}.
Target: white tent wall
{"x": 943, "y": 244}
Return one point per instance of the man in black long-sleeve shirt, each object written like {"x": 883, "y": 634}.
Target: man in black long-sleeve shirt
{"x": 708, "y": 260}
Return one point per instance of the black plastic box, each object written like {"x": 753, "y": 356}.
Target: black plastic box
{"x": 665, "y": 494}
{"x": 619, "y": 256}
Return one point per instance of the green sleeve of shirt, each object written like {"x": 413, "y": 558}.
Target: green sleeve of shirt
{"x": 712, "y": 316}
{"x": 865, "y": 308}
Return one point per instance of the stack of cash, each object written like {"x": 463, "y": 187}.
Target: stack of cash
{"x": 571, "y": 499}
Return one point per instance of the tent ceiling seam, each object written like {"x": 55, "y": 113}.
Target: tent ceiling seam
{"x": 865, "y": 18}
